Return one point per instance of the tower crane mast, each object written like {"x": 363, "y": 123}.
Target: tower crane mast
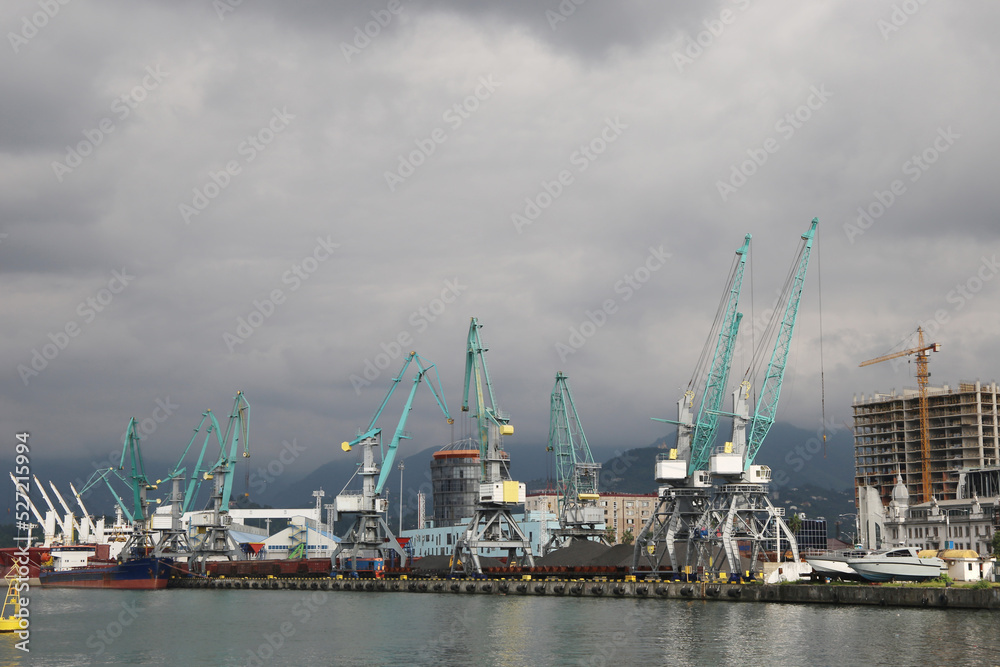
{"x": 922, "y": 352}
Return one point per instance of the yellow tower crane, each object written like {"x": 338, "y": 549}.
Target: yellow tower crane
{"x": 922, "y": 353}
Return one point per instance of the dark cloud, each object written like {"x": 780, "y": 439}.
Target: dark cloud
{"x": 532, "y": 173}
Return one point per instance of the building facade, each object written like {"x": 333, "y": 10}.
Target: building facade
{"x": 963, "y": 434}
{"x": 623, "y": 512}
{"x": 965, "y": 523}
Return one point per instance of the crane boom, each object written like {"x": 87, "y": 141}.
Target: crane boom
{"x": 707, "y": 420}
{"x": 45, "y": 497}
{"x": 139, "y": 481}
{"x": 390, "y": 455}
{"x": 492, "y": 424}
{"x": 24, "y": 493}
{"x": 767, "y": 404}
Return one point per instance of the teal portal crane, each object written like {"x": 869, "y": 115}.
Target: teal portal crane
{"x": 740, "y": 511}
{"x": 138, "y": 516}
{"x": 211, "y": 526}
{"x": 684, "y": 481}
{"x": 576, "y": 472}
{"x": 492, "y": 526}
{"x": 369, "y": 536}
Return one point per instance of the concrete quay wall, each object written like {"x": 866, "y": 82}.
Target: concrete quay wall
{"x": 889, "y": 596}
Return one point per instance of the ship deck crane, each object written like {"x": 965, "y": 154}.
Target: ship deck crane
{"x": 67, "y": 530}
{"x": 47, "y": 529}
{"x": 370, "y": 537}
{"x": 685, "y": 484}
{"x": 576, "y": 473}
{"x": 492, "y": 526}
{"x": 922, "y": 352}
{"x": 740, "y": 509}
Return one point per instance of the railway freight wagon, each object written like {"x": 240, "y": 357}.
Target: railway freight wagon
{"x": 300, "y": 567}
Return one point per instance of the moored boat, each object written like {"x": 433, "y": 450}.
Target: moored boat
{"x": 833, "y": 564}
{"x": 145, "y": 573}
{"x": 903, "y": 563}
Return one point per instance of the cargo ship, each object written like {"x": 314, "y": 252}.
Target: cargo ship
{"x": 146, "y": 573}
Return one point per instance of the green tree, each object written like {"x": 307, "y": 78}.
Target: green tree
{"x": 794, "y": 523}
{"x": 628, "y": 537}
{"x": 996, "y": 545}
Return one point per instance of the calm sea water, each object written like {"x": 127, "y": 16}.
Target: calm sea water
{"x": 195, "y": 627}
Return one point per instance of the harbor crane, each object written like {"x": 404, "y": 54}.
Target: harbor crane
{"x": 740, "y": 510}
{"x": 369, "y": 536}
{"x": 174, "y": 540}
{"x": 576, "y": 473}
{"x": 682, "y": 475}
{"x": 212, "y": 538}
{"x": 492, "y": 525}
{"x": 922, "y": 352}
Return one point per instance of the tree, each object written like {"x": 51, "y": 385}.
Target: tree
{"x": 628, "y": 537}
{"x": 609, "y": 534}
{"x": 996, "y": 544}
{"x": 795, "y": 523}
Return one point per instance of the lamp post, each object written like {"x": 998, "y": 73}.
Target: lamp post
{"x": 400, "y": 498}
{"x": 857, "y": 530}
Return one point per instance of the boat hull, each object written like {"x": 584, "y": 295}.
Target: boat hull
{"x": 834, "y": 567}
{"x": 888, "y": 571}
{"x": 138, "y": 574}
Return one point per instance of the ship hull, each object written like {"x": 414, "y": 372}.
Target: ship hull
{"x": 139, "y": 574}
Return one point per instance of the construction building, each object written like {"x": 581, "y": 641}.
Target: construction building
{"x": 962, "y": 432}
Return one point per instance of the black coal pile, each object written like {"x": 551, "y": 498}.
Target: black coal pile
{"x": 578, "y": 554}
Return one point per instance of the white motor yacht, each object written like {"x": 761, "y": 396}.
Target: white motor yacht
{"x": 900, "y": 563}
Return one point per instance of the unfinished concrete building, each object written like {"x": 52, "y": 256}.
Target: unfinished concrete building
{"x": 963, "y": 434}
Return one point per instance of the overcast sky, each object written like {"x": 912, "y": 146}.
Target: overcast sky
{"x": 203, "y": 197}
